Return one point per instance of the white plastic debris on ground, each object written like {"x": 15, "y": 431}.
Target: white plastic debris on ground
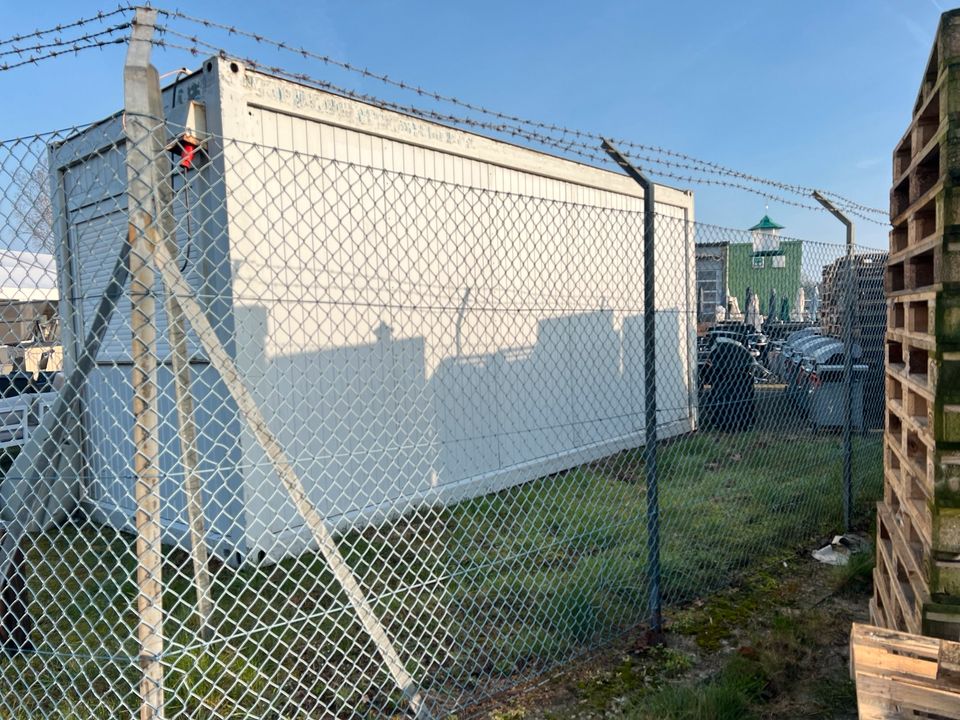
{"x": 840, "y": 549}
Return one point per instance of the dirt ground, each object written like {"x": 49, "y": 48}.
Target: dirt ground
{"x": 775, "y": 645}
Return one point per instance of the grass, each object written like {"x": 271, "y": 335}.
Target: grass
{"x": 745, "y": 681}
{"x": 769, "y": 646}
{"x": 727, "y": 697}
{"x": 477, "y": 595}
{"x": 782, "y": 655}
{"x": 633, "y": 676}
{"x": 856, "y": 577}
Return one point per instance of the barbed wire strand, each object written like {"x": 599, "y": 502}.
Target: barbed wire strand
{"x": 60, "y": 27}
{"x": 545, "y": 134}
{"x": 572, "y": 147}
{"x": 551, "y": 127}
{"x": 75, "y": 49}
{"x": 63, "y": 43}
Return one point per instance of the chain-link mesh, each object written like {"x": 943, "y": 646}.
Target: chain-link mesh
{"x": 406, "y": 418}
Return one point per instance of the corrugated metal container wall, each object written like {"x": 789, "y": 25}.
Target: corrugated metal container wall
{"x": 498, "y": 357}
{"x": 747, "y": 269}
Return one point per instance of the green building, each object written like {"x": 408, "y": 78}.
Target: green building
{"x": 765, "y": 263}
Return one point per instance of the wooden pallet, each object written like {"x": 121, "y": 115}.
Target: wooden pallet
{"x": 921, "y": 455}
{"x": 905, "y": 499}
{"x": 933, "y": 263}
{"x": 925, "y": 380}
{"x": 917, "y": 577}
{"x": 925, "y": 197}
{"x": 914, "y": 481}
{"x": 908, "y": 358}
{"x": 869, "y": 299}
{"x": 919, "y": 156}
{"x": 900, "y": 675}
{"x": 912, "y": 315}
{"x": 900, "y": 586}
{"x": 908, "y": 578}
{"x": 927, "y": 318}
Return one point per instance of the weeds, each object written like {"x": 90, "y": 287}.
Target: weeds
{"x": 785, "y": 644}
{"x": 727, "y": 697}
{"x": 856, "y": 577}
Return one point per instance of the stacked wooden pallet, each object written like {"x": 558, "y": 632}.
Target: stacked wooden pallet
{"x": 917, "y": 578}
{"x": 904, "y": 676}
{"x": 870, "y": 305}
{"x": 869, "y": 321}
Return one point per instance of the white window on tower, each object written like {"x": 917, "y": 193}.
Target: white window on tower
{"x": 765, "y": 242}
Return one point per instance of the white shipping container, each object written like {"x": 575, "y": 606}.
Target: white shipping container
{"x": 423, "y": 314}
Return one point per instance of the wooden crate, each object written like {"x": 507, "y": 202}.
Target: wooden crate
{"x": 901, "y": 675}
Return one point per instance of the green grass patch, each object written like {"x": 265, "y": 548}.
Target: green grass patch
{"x": 730, "y": 696}
{"x": 784, "y": 648}
{"x": 856, "y": 577}
{"x": 489, "y": 590}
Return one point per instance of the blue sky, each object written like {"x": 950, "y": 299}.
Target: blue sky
{"x": 815, "y": 92}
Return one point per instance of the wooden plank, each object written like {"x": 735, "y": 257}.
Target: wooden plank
{"x": 918, "y": 646}
{"x": 914, "y": 508}
{"x": 877, "y": 615}
{"x": 902, "y": 675}
{"x": 902, "y": 550}
{"x": 938, "y": 139}
{"x": 926, "y": 485}
{"x": 880, "y": 658}
{"x": 882, "y": 697}
{"x": 882, "y": 589}
{"x": 897, "y": 551}
{"x": 917, "y": 204}
{"x": 949, "y": 658}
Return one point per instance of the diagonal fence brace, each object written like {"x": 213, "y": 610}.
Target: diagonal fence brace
{"x": 34, "y": 494}
{"x": 177, "y": 286}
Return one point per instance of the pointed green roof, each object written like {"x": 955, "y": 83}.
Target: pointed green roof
{"x": 766, "y": 224}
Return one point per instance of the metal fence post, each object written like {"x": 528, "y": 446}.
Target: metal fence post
{"x": 142, "y": 106}
{"x": 650, "y": 384}
{"x": 848, "y": 308}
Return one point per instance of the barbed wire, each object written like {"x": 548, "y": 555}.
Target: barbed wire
{"x": 35, "y": 59}
{"x": 708, "y": 166}
{"x": 578, "y": 143}
{"x": 721, "y": 169}
{"x": 61, "y": 43}
{"x": 60, "y": 27}
{"x": 570, "y": 146}
{"x": 590, "y": 152}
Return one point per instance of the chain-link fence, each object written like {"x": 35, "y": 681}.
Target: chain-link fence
{"x": 351, "y": 414}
